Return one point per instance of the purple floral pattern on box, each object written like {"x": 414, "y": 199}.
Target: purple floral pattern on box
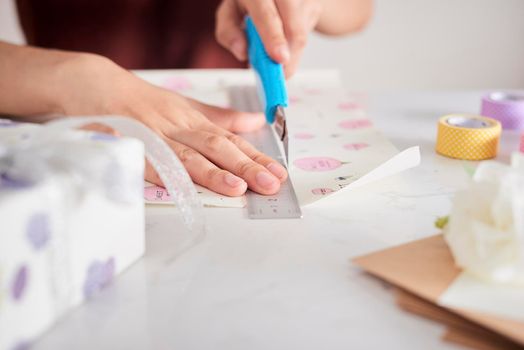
{"x": 6, "y": 123}
{"x": 38, "y": 230}
{"x": 22, "y": 345}
{"x": 20, "y": 283}
{"x": 97, "y": 136}
{"x": 10, "y": 182}
{"x": 99, "y": 275}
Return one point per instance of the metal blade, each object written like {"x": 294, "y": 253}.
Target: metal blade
{"x": 281, "y": 129}
{"x": 284, "y": 204}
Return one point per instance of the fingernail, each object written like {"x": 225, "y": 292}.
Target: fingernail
{"x": 238, "y": 49}
{"x": 232, "y": 180}
{"x": 265, "y": 180}
{"x": 283, "y": 52}
{"x": 277, "y": 170}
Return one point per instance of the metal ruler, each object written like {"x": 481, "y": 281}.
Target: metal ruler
{"x": 284, "y": 204}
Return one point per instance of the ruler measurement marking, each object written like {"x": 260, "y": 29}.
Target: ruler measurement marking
{"x": 284, "y": 204}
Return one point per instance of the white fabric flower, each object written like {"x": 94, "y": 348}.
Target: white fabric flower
{"x": 486, "y": 226}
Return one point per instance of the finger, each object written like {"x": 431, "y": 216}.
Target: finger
{"x": 228, "y": 30}
{"x": 296, "y": 31}
{"x": 269, "y": 163}
{"x": 151, "y": 175}
{"x": 291, "y": 67}
{"x": 230, "y": 119}
{"x": 226, "y": 155}
{"x": 207, "y": 174}
{"x": 273, "y": 166}
{"x": 270, "y": 28}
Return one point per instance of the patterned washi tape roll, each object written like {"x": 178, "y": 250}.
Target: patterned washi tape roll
{"x": 507, "y": 108}
{"x": 467, "y": 136}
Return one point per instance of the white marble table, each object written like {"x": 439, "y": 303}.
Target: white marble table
{"x": 285, "y": 284}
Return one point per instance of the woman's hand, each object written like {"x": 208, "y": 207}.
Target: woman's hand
{"x": 284, "y": 25}
{"x": 201, "y": 135}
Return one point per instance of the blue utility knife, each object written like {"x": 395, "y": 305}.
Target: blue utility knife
{"x": 271, "y": 83}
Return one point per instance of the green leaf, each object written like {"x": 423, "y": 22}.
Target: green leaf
{"x": 441, "y": 222}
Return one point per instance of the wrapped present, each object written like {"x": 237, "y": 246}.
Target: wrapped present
{"x": 72, "y": 215}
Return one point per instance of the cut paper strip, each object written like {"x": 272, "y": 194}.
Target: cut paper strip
{"x": 469, "y": 293}
{"x": 154, "y": 194}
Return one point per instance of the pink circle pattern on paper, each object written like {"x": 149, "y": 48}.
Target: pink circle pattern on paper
{"x": 348, "y": 106}
{"x": 317, "y": 163}
{"x": 322, "y": 191}
{"x": 355, "y": 124}
{"x": 294, "y": 99}
{"x": 156, "y": 194}
{"x": 304, "y": 136}
{"x": 355, "y": 146}
{"x": 177, "y": 83}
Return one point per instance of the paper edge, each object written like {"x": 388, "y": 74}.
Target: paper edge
{"x": 407, "y": 159}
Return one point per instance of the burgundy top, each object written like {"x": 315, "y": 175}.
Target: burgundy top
{"x": 136, "y": 34}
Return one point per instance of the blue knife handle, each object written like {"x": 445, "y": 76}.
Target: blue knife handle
{"x": 271, "y": 82}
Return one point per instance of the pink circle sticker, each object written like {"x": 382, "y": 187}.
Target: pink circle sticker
{"x": 304, "y": 136}
{"x": 294, "y": 99}
{"x": 355, "y": 124}
{"x": 156, "y": 194}
{"x": 355, "y": 146}
{"x": 177, "y": 83}
{"x": 322, "y": 191}
{"x": 347, "y": 106}
{"x": 318, "y": 163}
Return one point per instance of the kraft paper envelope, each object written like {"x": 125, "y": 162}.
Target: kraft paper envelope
{"x": 415, "y": 305}
{"x": 479, "y": 341}
{"x": 426, "y": 269}
{"x": 460, "y": 330}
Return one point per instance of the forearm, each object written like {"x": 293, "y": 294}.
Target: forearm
{"x": 344, "y": 16}
{"x": 28, "y": 81}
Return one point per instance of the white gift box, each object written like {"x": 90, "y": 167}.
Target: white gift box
{"x": 72, "y": 217}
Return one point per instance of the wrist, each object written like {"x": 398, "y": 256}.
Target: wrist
{"x": 73, "y": 78}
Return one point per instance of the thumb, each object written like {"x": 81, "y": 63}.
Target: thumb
{"x": 230, "y": 119}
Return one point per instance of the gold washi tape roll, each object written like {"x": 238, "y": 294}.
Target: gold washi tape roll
{"x": 468, "y": 136}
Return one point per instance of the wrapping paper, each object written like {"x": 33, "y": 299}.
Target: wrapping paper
{"x": 332, "y": 142}
{"x": 334, "y": 146}
{"x": 72, "y": 216}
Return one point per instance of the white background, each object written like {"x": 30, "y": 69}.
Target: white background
{"x": 413, "y": 44}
